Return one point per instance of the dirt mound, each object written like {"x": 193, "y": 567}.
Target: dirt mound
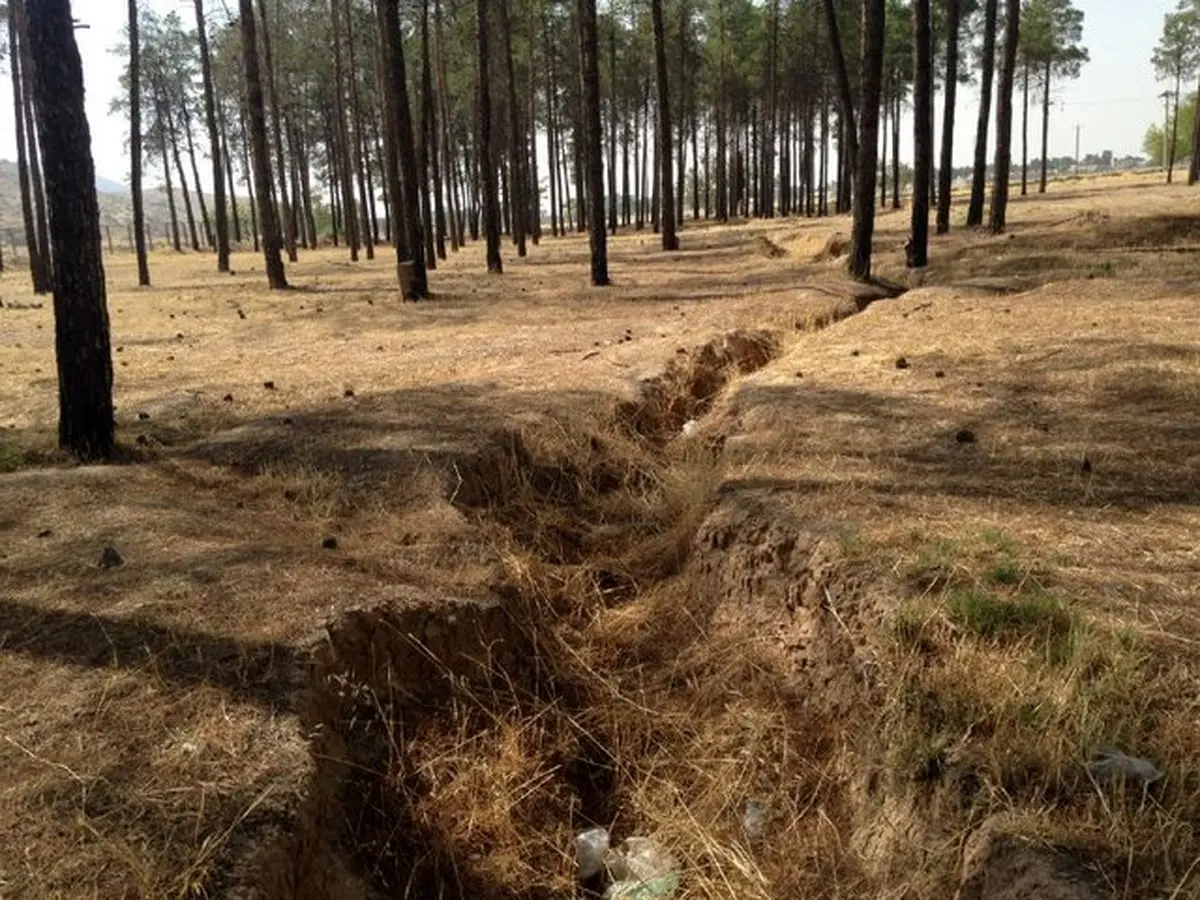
{"x": 768, "y": 248}
{"x": 998, "y": 865}
{"x": 836, "y": 246}
{"x": 779, "y": 581}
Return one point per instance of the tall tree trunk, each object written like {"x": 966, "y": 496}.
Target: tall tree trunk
{"x": 873, "y": 28}
{"x": 362, "y": 163}
{"x": 43, "y": 281}
{"x": 845, "y": 96}
{"x": 1174, "y": 128}
{"x": 165, "y": 116}
{"x": 456, "y": 214}
{"x": 1025, "y": 128}
{"x": 26, "y": 149}
{"x": 1194, "y": 164}
{"x": 396, "y": 95}
{"x": 918, "y": 250}
{"x": 1004, "y": 117}
{"x": 979, "y": 174}
{"x": 247, "y": 168}
{"x": 883, "y": 145}
{"x": 946, "y": 171}
{"x": 82, "y": 348}
{"x": 200, "y": 201}
{"x": 487, "y": 154}
{"x": 535, "y": 187}
{"x": 284, "y": 212}
{"x": 173, "y": 235}
{"x": 276, "y": 278}
{"x": 431, "y": 133}
{"x": 670, "y": 240}
{"x": 612, "y": 124}
{"x": 135, "y": 147}
{"x": 589, "y": 73}
{"x": 235, "y": 218}
{"x": 516, "y": 150}
{"x": 897, "y": 110}
{"x": 1046, "y": 125}
{"x": 341, "y": 153}
{"x": 722, "y": 113}
{"x": 214, "y": 139}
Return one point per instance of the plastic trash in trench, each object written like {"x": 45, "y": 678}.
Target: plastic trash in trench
{"x": 591, "y": 846}
{"x": 640, "y": 869}
{"x": 1110, "y": 765}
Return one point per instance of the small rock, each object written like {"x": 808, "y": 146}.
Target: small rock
{"x": 330, "y": 543}
{"x": 110, "y": 558}
{"x": 269, "y": 385}
{"x": 45, "y": 533}
{"x": 754, "y": 820}
{"x": 120, "y": 349}
{"x": 241, "y": 314}
{"x": 179, "y": 335}
{"x": 171, "y": 358}
{"x": 228, "y": 398}
{"x": 799, "y": 374}
{"x": 939, "y": 374}
{"x": 901, "y": 363}
{"x": 965, "y": 436}
{"x": 349, "y": 392}
{"x": 380, "y": 348}
{"x": 854, "y": 353}
{"x": 143, "y": 416}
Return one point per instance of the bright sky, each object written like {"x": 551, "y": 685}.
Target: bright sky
{"x": 1113, "y": 102}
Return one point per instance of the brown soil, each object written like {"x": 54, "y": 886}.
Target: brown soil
{"x": 546, "y": 606}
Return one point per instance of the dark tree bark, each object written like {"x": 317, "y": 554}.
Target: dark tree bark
{"x": 589, "y": 73}
{"x": 82, "y": 349}
{"x": 1194, "y": 163}
{"x": 173, "y": 234}
{"x": 167, "y": 121}
{"x": 612, "y": 124}
{"x": 396, "y": 96}
{"x": 873, "y": 21}
{"x": 845, "y": 95}
{"x": 214, "y": 139}
{"x": 516, "y": 152}
{"x": 1046, "y": 125}
{"x": 362, "y": 165}
{"x": 200, "y": 201}
{"x": 670, "y": 240}
{"x": 276, "y": 277}
{"x": 341, "y": 154}
{"x": 979, "y": 175}
{"x": 43, "y": 275}
{"x": 1004, "y": 117}
{"x": 946, "y": 171}
{"x": 487, "y": 161}
{"x": 135, "y": 147}
{"x": 431, "y": 132}
{"x": 918, "y": 249}
{"x": 235, "y": 217}
{"x": 247, "y": 168}
{"x": 284, "y": 213}
{"x": 25, "y": 144}
{"x": 1025, "y": 128}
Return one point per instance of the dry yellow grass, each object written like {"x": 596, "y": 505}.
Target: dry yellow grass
{"x": 714, "y": 626}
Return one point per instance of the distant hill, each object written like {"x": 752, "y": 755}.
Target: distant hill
{"x": 116, "y": 209}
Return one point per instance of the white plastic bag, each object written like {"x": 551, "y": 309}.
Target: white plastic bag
{"x": 591, "y": 847}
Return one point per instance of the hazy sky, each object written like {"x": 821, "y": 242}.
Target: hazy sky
{"x": 1113, "y": 102}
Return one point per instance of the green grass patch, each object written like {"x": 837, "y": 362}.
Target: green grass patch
{"x": 11, "y": 459}
{"x": 1039, "y": 618}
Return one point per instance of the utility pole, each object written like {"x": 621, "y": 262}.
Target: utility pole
{"x": 1078, "y": 128}
{"x": 1166, "y": 132}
